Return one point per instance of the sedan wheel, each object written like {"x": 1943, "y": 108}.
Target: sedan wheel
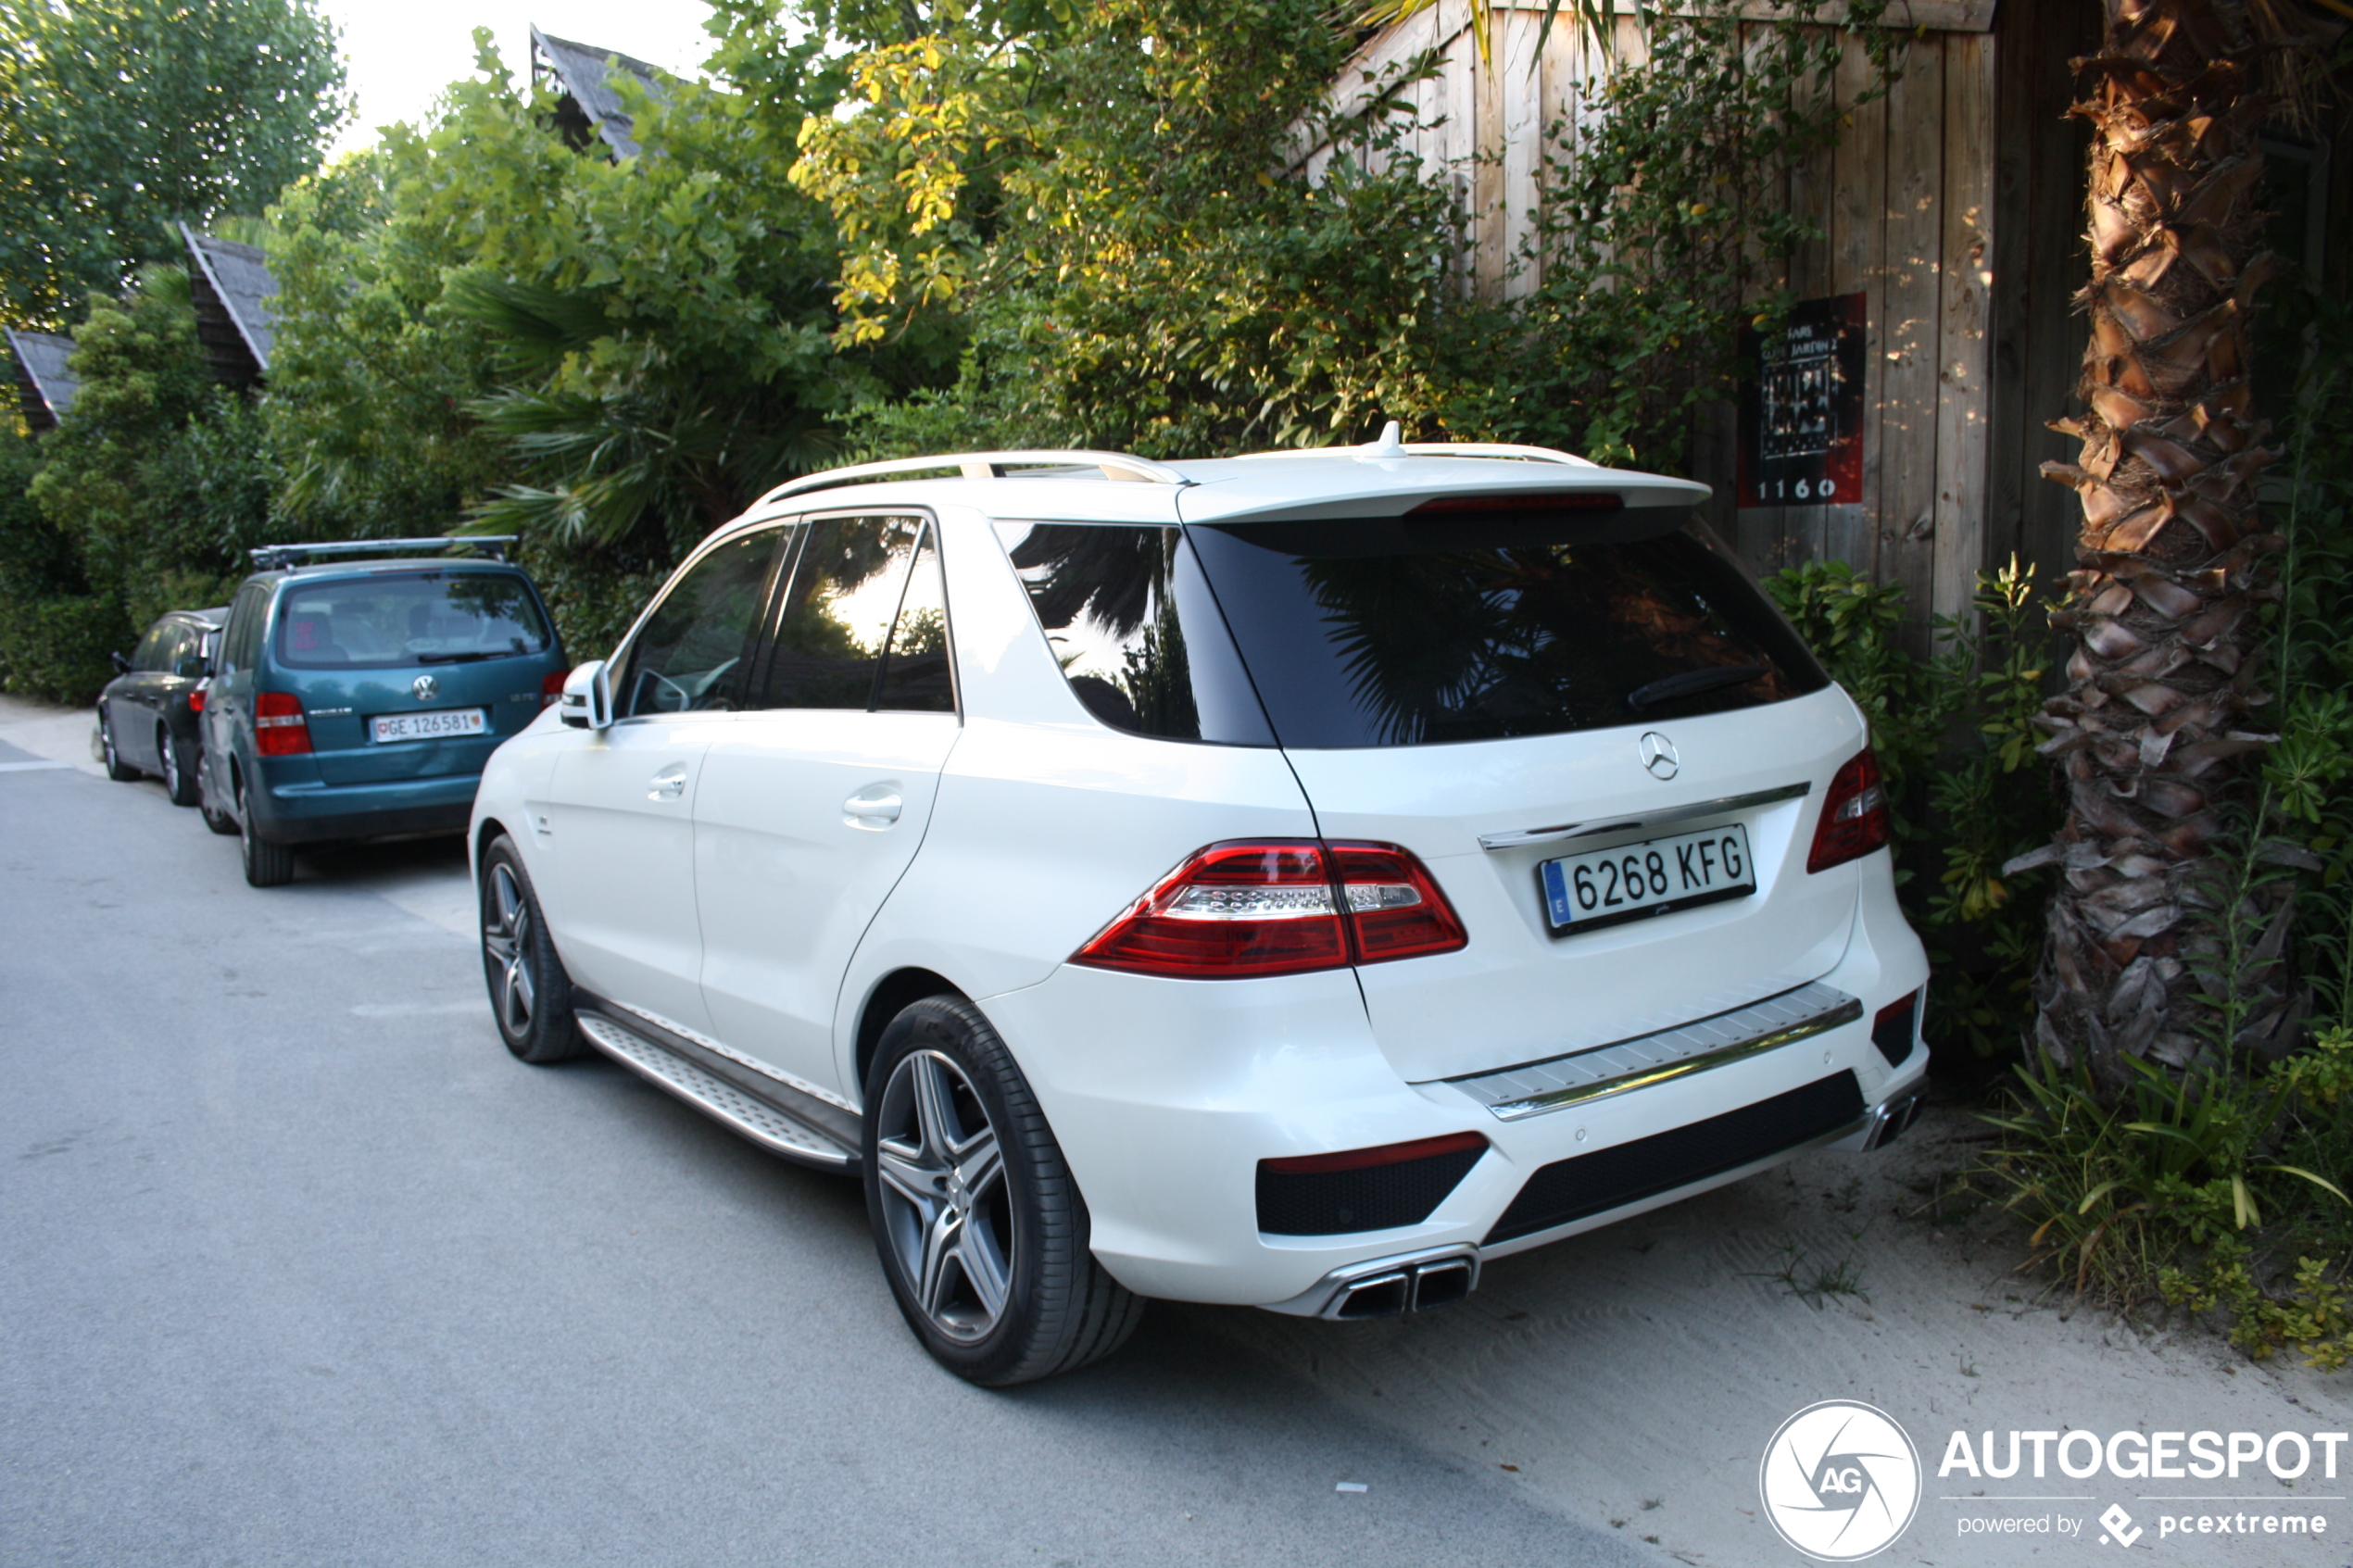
{"x": 117, "y": 768}
{"x": 178, "y": 781}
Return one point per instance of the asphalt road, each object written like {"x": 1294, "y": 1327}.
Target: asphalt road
{"x": 298, "y": 1266}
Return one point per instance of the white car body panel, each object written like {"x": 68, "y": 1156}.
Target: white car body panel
{"x": 733, "y": 911}
{"x": 1517, "y": 992}
{"x": 619, "y": 890}
{"x": 786, "y": 879}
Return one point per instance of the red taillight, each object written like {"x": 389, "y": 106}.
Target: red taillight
{"x": 1854, "y": 815}
{"x": 195, "y": 700}
{"x": 1365, "y": 1158}
{"x": 279, "y": 728}
{"x": 1396, "y": 910}
{"x": 551, "y": 686}
{"x": 1266, "y": 907}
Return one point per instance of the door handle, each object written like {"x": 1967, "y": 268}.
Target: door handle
{"x": 877, "y": 806}
{"x": 668, "y": 785}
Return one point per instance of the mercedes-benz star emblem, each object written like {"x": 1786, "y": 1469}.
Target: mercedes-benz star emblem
{"x": 426, "y": 687}
{"x": 1659, "y": 755}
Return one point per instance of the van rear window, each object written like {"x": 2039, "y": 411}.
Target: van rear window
{"x": 1378, "y": 631}
{"x": 395, "y": 620}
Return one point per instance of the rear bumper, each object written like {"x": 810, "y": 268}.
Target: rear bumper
{"x": 1165, "y": 1094}
{"x": 307, "y": 812}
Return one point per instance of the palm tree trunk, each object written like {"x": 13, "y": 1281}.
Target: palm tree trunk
{"x": 2153, "y": 729}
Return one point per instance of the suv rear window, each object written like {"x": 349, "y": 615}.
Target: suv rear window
{"x": 1378, "y": 632}
{"x": 408, "y": 618}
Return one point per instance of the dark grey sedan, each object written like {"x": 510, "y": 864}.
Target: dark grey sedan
{"x": 147, "y": 713}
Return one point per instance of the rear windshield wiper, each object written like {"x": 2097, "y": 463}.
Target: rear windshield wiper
{"x": 1690, "y": 682}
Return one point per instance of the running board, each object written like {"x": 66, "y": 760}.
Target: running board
{"x": 765, "y": 1125}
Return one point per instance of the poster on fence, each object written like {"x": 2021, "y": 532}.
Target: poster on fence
{"x": 1801, "y": 425}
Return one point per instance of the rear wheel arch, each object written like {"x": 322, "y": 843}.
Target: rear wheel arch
{"x": 895, "y": 992}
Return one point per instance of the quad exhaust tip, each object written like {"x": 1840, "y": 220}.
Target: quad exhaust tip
{"x": 1414, "y": 1286}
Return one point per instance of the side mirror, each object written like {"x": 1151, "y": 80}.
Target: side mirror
{"x": 191, "y": 667}
{"x": 122, "y": 665}
{"x": 586, "y": 703}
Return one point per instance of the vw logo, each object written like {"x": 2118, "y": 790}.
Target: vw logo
{"x": 427, "y": 688}
{"x": 1659, "y": 755}
{"x": 1841, "y": 1481}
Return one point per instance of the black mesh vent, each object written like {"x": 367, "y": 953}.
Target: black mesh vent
{"x": 1892, "y": 1032}
{"x": 1591, "y": 1183}
{"x": 1378, "y": 1198}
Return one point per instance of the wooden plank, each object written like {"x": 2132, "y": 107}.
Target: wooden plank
{"x": 2059, "y": 263}
{"x": 2018, "y": 39}
{"x": 1964, "y": 394}
{"x": 1521, "y": 90}
{"x": 1907, "y": 16}
{"x": 1758, "y": 533}
{"x": 1914, "y": 241}
{"x": 1458, "y": 146}
{"x": 1859, "y": 265}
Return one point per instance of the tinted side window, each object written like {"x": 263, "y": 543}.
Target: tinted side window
{"x": 837, "y": 613}
{"x": 915, "y": 677}
{"x": 154, "y": 649}
{"x": 1132, "y": 622}
{"x": 243, "y": 637}
{"x": 688, "y": 657}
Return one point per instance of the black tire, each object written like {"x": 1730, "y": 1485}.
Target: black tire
{"x": 1022, "y": 1222}
{"x": 117, "y": 768}
{"x": 530, "y": 993}
{"x": 268, "y": 862}
{"x": 179, "y": 781}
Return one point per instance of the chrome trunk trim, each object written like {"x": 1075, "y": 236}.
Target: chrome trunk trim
{"x": 1555, "y": 1082}
{"x": 1493, "y": 841}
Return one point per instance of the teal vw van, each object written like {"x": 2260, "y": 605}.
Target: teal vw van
{"x": 360, "y": 687}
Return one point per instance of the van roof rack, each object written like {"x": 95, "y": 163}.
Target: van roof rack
{"x": 987, "y": 465}
{"x": 275, "y": 558}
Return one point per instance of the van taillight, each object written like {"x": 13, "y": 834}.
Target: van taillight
{"x": 195, "y": 697}
{"x": 1266, "y": 907}
{"x": 1854, "y": 815}
{"x": 279, "y": 728}
{"x": 551, "y": 686}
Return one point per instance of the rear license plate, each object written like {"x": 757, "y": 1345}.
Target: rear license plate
{"x": 1656, "y": 877}
{"x": 429, "y": 726}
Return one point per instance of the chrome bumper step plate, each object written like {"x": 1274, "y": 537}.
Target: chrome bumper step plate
{"x": 715, "y": 1097}
{"x": 1559, "y": 1082}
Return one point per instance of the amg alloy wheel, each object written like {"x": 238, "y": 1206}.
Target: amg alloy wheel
{"x": 981, "y": 1231}
{"x": 530, "y": 995}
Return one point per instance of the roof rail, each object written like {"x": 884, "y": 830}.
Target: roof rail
{"x": 273, "y": 558}
{"x": 987, "y": 465}
{"x": 1389, "y": 445}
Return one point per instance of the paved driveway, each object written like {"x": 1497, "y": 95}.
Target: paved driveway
{"x": 300, "y": 1267}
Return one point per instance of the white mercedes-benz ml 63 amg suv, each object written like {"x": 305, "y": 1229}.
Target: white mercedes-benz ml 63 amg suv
{"x": 1289, "y": 880}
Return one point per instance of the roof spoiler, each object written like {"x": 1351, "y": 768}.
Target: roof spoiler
{"x": 276, "y": 557}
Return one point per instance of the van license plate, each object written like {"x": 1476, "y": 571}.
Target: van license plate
{"x": 1655, "y": 877}
{"x": 429, "y": 726}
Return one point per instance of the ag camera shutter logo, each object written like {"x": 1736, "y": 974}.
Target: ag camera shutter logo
{"x": 1841, "y": 1481}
